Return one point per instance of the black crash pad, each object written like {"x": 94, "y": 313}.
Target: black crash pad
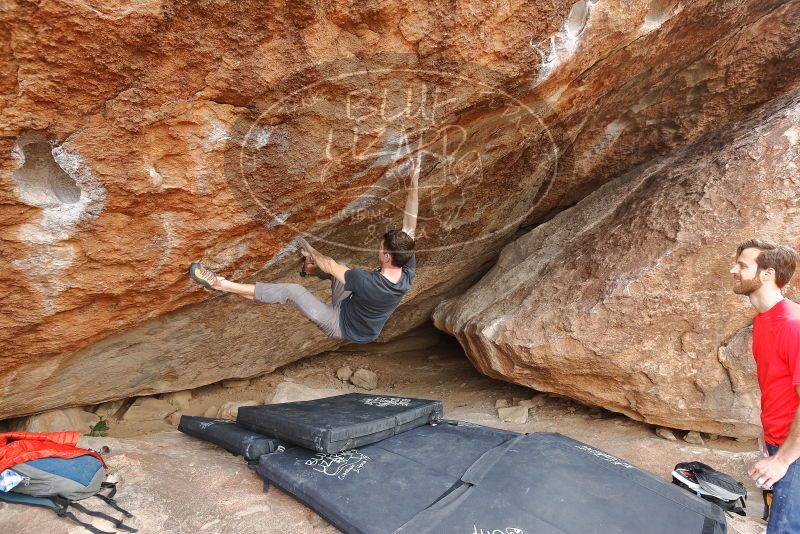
{"x": 549, "y": 484}
{"x": 230, "y": 436}
{"x": 377, "y": 488}
{"x": 341, "y": 422}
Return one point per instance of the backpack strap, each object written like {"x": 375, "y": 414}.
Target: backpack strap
{"x": 109, "y": 500}
{"x": 112, "y": 485}
{"x": 740, "y": 509}
{"x": 113, "y": 504}
{"x": 116, "y": 522}
{"x": 62, "y": 510}
{"x": 94, "y": 530}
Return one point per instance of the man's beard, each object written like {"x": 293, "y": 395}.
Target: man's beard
{"x": 746, "y": 286}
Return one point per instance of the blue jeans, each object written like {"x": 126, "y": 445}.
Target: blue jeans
{"x": 784, "y": 516}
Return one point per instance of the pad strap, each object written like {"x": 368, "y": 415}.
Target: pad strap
{"x": 709, "y": 526}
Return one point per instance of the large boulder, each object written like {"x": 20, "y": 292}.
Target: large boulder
{"x": 293, "y": 392}
{"x": 145, "y": 138}
{"x": 149, "y": 409}
{"x": 624, "y": 301}
{"x": 56, "y": 421}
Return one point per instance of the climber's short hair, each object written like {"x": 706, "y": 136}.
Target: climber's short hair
{"x": 399, "y": 245}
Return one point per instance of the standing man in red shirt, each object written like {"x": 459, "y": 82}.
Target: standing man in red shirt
{"x": 762, "y": 269}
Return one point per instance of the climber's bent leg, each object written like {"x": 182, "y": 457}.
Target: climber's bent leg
{"x": 325, "y": 316}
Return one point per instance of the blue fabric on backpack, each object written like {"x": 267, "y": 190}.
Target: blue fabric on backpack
{"x": 19, "y": 498}
{"x": 81, "y": 469}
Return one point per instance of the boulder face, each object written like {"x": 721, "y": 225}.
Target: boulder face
{"x": 143, "y": 138}
{"x": 625, "y": 301}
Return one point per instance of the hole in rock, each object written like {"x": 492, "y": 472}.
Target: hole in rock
{"x": 41, "y": 181}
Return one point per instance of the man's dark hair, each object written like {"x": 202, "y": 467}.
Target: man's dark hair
{"x": 773, "y": 256}
{"x": 399, "y": 245}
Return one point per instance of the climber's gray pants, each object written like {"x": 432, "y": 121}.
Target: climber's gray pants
{"x": 325, "y": 316}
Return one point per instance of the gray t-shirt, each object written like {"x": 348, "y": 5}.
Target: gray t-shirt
{"x": 372, "y": 301}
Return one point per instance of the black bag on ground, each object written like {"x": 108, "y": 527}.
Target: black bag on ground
{"x": 230, "y": 436}
{"x": 377, "y": 488}
{"x": 341, "y": 422}
{"x": 712, "y": 485}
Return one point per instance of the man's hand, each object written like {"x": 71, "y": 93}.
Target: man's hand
{"x": 305, "y": 249}
{"x": 323, "y": 262}
{"x": 768, "y": 471}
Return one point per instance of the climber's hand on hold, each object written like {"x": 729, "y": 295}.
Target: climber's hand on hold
{"x": 305, "y": 249}
{"x": 324, "y": 263}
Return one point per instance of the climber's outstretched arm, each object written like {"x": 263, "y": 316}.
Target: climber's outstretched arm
{"x": 324, "y": 263}
{"x": 412, "y": 200}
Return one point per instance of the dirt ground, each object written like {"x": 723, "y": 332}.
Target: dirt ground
{"x": 174, "y": 483}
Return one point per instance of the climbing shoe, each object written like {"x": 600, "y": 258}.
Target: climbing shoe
{"x": 203, "y": 275}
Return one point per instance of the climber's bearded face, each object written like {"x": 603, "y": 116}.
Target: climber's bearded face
{"x": 746, "y": 273}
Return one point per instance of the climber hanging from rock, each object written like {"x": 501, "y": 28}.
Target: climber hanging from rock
{"x": 361, "y": 301}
